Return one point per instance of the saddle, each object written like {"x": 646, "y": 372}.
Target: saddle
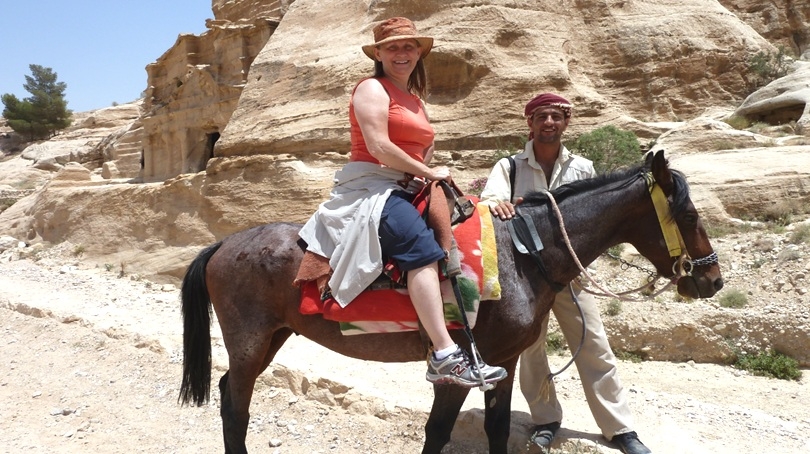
{"x": 386, "y": 305}
{"x": 458, "y": 209}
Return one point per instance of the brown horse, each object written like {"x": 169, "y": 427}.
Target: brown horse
{"x": 248, "y": 276}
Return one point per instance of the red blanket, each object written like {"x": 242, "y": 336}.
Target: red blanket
{"x": 391, "y": 310}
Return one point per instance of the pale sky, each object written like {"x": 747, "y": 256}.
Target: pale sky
{"x": 99, "y": 48}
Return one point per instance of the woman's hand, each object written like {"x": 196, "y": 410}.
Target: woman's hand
{"x": 439, "y": 173}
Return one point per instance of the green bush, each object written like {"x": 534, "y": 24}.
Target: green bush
{"x": 719, "y": 229}
{"x": 614, "y": 308}
{"x": 616, "y": 250}
{"x": 787, "y": 255}
{"x": 737, "y": 122}
{"x": 769, "y": 66}
{"x": 608, "y": 147}
{"x": 510, "y": 148}
{"x": 770, "y": 364}
{"x": 628, "y": 356}
{"x": 781, "y": 213}
{"x": 721, "y": 144}
{"x": 6, "y": 202}
{"x": 733, "y": 298}
{"x": 759, "y": 127}
{"x": 800, "y": 235}
{"x": 555, "y": 343}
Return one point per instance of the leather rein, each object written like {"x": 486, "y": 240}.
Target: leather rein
{"x": 527, "y": 241}
{"x": 683, "y": 264}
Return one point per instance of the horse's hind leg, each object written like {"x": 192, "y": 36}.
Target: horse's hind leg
{"x": 447, "y": 403}
{"x": 227, "y": 428}
{"x": 236, "y": 390}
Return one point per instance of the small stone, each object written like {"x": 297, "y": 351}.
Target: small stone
{"x": 275, "y": 442}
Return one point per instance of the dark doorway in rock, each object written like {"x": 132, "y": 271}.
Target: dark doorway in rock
{"x": 209, "y": 147}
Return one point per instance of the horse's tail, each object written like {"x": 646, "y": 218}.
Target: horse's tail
{"x": 196, "y": 386}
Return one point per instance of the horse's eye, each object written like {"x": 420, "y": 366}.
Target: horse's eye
{"x": 690, "y": 219}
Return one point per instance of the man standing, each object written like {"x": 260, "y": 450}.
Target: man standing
{"x": 546, "y": 164}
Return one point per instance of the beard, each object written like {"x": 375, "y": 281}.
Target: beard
{"x": 548, "y": 138}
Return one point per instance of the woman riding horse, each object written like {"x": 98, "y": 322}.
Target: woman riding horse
{"x": 246, "y": 277}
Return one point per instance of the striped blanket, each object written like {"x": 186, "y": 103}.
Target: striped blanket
{"x": 390, "y": 310}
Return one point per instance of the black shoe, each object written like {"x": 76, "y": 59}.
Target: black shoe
{"x": 630, "y": 444}
{"x": 543, "y": 434}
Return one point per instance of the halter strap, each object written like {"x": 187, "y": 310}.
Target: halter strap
{"x": 672, "y": 236}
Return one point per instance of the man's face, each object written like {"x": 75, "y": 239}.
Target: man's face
{"x": 548, "y": 124}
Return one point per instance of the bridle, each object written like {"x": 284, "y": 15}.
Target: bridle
{"x": 683, "y": 263}
{"x": 682, "y": 266}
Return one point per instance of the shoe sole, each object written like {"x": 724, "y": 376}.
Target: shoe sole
{"x": 446, "y": 380}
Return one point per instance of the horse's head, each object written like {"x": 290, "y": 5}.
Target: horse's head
{"x": 680, "y": 249}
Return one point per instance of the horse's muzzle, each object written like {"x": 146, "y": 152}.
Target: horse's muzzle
{"x": 699, "y": 287}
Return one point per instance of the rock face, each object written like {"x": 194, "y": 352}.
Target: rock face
{"x": 92, "y": 139}
{"x": 625, "y": 62}
{"x": 783, "y": 101}
{"x": 194, "y": 87}
{"x": 781, "y": 22}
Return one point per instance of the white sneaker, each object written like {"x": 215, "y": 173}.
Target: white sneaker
{"x": 459, "y": 370}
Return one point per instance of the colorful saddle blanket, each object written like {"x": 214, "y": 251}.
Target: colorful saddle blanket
{"x": 390, "y": 310}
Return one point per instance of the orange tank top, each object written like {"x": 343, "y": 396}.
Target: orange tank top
{"x": 408, "y": 126}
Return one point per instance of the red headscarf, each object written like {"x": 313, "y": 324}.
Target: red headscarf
{"x": 548, "y": 99}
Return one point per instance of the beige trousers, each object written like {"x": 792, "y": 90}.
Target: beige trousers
{"x": 596, "y": 364}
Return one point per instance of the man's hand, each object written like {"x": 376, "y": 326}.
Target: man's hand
{"x": 505, "y": 210}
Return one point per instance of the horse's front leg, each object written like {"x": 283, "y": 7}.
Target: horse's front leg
{"x": 498, "y": 411}
{"x": 447, "y": 401}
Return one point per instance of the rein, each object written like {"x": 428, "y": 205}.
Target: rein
{"x": 681, "y": 267}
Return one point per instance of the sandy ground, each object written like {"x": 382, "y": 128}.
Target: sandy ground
{"x": 91, "y": 363}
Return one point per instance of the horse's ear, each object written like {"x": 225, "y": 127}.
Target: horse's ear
{"x": 660, "y": 170}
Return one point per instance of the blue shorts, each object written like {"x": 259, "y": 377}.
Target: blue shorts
{"x": 404, "y": 236}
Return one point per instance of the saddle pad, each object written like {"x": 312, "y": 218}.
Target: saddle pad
{"x": 390, "y": 310}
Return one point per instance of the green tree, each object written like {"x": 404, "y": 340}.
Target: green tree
{"x": 43, "y": 113}
{"x": 608, "y": 147}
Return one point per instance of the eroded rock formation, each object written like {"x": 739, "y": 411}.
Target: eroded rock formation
{"x": 194, "y": 87}
{"x": 620, "y": 62}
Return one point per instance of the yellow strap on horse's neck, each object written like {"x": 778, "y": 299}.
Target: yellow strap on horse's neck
{"x": 669, "y": 228}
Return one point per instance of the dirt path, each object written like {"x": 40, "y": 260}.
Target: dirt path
{"x": 92, "y": 364}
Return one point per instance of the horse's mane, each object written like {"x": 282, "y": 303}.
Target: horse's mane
{"x": 612, "y": 181}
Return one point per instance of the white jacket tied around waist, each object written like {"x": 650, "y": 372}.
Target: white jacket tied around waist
{"x": 345, "y": 227}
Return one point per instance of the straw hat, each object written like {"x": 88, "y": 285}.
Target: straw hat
{"x": 394, "y": 29}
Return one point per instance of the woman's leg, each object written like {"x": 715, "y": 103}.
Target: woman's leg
{"x": 405, "y": 238}
{"x": 423, "y": 286}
